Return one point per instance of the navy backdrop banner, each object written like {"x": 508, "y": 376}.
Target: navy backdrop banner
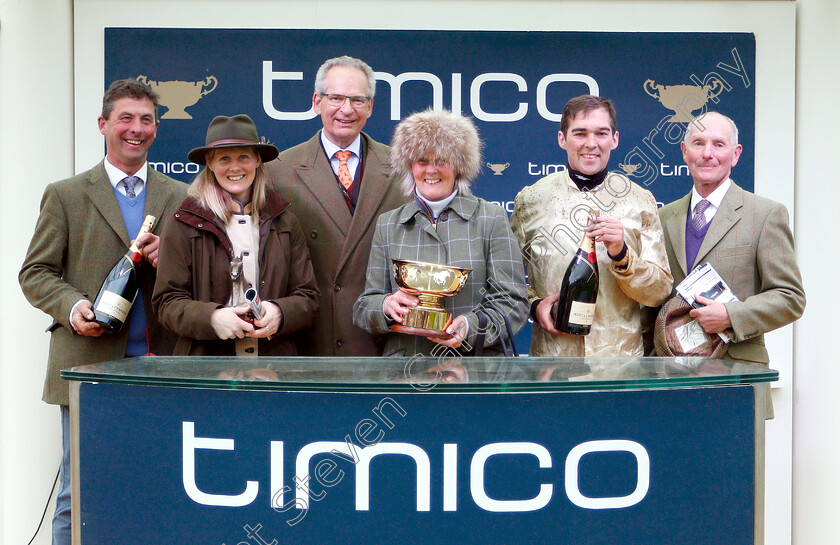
{"x": 514, "y": 84}
{"x": 172, "y": 465}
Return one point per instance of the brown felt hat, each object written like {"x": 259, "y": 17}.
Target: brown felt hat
{"x": 674, "y": 334}
{"x": 232, "y": 132}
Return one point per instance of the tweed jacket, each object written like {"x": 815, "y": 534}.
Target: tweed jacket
{"x": 548, "y": 221}
{"x": 470, "y": 233}
{"x": 339, "y": 242}
{"x": 194, "y": 277}
{"x": 79, "y": 235}
{"x": 749, "y": 243}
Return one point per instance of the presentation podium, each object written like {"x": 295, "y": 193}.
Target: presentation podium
{"x": 266, "y": 451}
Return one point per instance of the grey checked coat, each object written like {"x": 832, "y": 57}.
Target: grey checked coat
{"x": 470, "y": 233}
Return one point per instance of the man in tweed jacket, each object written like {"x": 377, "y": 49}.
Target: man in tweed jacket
{"x": 80, "y": 234}
{"x": 338, "y": 222}
{"x": 746, "y": 238}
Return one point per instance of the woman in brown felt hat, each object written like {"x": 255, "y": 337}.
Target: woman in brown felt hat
{"x": 232, "y": 233}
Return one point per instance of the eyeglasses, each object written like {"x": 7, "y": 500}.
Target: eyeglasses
{"x": 337, "y": 101}
{"x": 437, "y": 162}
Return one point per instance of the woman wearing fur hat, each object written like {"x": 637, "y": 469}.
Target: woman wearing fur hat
{"x": 232, "y": 232}
{"x": 438, "y": 155}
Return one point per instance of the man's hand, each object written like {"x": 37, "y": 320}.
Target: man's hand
{"x": 149, "y": 244}
{"x": 610, "y": 231}
{"x": 713, "y": 317}
{"x": 544, "y": 314}
{"x": 82, "y": 320}
{"x": 227, "y": 323}
{"x": 397, "y": 305}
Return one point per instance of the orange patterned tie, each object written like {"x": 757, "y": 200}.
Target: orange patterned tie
{"x": 343, "y": 171}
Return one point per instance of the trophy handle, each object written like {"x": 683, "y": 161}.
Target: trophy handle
{"x": 462, "y": 281}
{"x": 716, "y": 84}
{"x": 145, "y": 81}
{"x": 649, "y": 84}
{"x": 488, "y": 165}
{"x": 507, "y": 165}
{"x": 207, "y": 81}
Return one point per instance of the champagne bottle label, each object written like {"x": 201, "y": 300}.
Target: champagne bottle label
{"x": 112, "y": 304}
{"x": 582, "y": 313}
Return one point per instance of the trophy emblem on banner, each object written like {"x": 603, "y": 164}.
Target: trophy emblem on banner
{"x": 629, "y": 169}
{"x": 498, "y": 168}
{"x": 683, "y": 99}
{"x": 430, "y": 283}
{"x": 178, "y": 95}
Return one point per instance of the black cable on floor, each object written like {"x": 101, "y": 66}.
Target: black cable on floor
{"x": 44, "y": 514}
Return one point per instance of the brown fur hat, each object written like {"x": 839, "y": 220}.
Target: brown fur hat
{"x": 443, "y": 134}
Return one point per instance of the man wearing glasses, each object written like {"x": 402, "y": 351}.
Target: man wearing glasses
{"x": 338, "y": 183}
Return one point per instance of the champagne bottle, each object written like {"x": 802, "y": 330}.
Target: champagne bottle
{"x": 575, "y": 309}
{"x": 116, "y": 296}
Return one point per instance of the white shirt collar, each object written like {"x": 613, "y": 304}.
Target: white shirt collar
{"x": 715, "y": 198}
{"x": 437, "y": 206}
{"x": 115, "y": 176}
{"x": 330, "y": 148}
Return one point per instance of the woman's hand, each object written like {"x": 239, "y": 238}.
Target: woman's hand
{"x": 228, "y": 324}
{"x": 397, "y": 305}
{"x": 458, "y": 329}
{"x": 270, "y": 322}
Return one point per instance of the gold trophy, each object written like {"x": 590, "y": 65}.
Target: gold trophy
{"x": 430, "y": 283}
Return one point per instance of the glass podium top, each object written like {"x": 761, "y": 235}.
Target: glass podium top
{"x": 438, "y": 374}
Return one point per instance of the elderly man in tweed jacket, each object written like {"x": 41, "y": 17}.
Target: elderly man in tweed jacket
{"x": 746, "y": 238}
{"x": 338, "y": 222}
{"x": 437, "y": 154}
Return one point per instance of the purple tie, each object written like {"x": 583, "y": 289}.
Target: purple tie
{"x": 699, "y": 218}
{"x": 130, "y": 182}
